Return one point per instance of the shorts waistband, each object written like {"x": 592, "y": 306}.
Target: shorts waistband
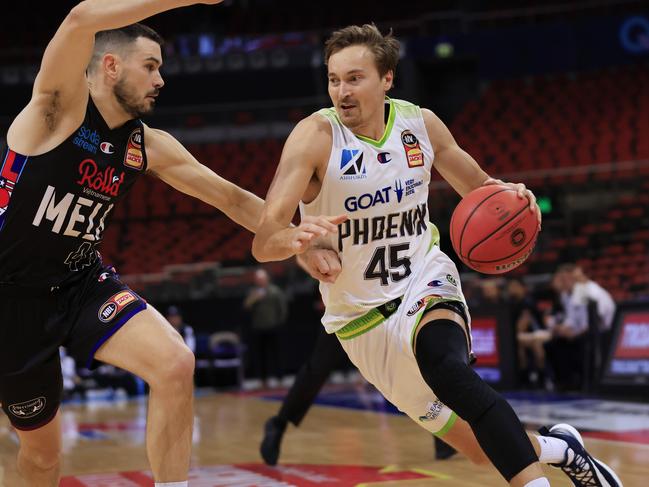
{"x": 369, "y": 320}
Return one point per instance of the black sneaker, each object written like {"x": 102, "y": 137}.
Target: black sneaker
{"x": 583, "y": 469}
{"x": 273, "y": 433}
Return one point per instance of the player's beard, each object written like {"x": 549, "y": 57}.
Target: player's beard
{"x": 128, "y": 100}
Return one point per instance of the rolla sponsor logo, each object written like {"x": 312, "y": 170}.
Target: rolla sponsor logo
{"x": 28, "y": 409}
{"x": 106, "y": 181}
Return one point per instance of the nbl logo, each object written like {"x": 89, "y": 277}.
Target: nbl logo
{"x": 107, "y": 311}
{"x": 114, "y": 305}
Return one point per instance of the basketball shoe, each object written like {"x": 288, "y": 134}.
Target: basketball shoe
{"x": 581, "y": 467}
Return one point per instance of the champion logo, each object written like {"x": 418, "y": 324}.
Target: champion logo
{"x": 107, "y": 148}
{"x": 383, "y": 157}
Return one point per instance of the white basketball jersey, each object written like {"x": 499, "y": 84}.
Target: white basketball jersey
{"x": 383, "y": 187}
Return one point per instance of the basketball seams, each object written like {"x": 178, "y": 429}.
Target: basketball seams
{"x": 531, "y": 241}
{"x": 487, "y": 237}
{"x": 468, "y": 219}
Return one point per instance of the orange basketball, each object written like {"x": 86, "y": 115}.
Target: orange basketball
{"x": 492, "y": 229}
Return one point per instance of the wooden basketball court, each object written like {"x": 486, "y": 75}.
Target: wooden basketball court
{"x": 104, "y": 446}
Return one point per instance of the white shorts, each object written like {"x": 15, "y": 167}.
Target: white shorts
{"x": 384, "y": 353}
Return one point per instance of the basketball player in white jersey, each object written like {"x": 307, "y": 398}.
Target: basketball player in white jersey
{"x": 397, "y": 305}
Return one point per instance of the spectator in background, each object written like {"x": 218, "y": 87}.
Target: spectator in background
{"x": 568, "y": 323}
{"x": 491, "y": 293}
{"x": 268, "y": 308}
{"x": 587, "y": 290}
{"x": 531, "y": 334}
{"x": 175, "y": 317}
{"x": 602, "y": 309}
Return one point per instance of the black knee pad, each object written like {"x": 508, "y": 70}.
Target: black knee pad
{"x": 442, "y": 357}
{"x": 443, "y": 360}
{"x": 502, "y": 437}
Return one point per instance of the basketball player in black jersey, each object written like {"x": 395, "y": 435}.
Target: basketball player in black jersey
{"x": 72, "y": 153}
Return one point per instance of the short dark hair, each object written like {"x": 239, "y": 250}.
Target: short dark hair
{"x": 384, "y": 47}
{"x": 106, "y": 40}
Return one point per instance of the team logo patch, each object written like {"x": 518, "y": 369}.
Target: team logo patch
{"x": 414, "y": 155}
{"x": 351, "y": 164}
{"x": 12, "y": 168}
{"x": 133, "y": 156}
{"x": 28, "y": 409}
{"x": 451, "y": 279}
{"x": 114, "y": 305}
{"x": 390, "y": 307}
{"x": 433, "y": 411}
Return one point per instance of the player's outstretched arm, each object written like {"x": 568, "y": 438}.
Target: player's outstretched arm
{"x": 456, "y": 166}
{"x": 306, "y": 149}
{"x": 60, "y": 90}
{"x": 68, "y": 53}
{"x": 171, "y": 162}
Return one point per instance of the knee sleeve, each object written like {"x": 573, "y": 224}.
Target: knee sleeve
{"x": 502, "y": 437}
{"x": 443, "y": 360}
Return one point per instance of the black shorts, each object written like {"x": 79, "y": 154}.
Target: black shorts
{"x": 35, "y": 323}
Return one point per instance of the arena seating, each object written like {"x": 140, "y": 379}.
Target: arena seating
{"x": 588, "y": 142}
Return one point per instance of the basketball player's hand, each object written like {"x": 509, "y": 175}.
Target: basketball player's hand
{"x": 321, "y": 264}
{"x": 522, "y": 191}
{"x": 312, "y": 227}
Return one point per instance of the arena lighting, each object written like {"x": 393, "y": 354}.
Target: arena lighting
{"x": 634, "y": 34}
{"x": 545, "y": 204}
{"x": 444, "y": 50}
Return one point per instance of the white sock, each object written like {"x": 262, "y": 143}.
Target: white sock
{"x": 553, "y": 450}
{"x": 171, "y": 484}
{"x": 542, "y": 482}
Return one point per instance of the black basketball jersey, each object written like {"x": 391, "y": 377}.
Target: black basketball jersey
{"x": 54, "y": 207}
